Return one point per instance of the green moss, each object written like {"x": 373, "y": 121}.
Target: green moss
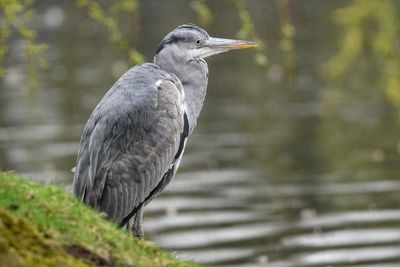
{"x": 23, "y": 245}
{"x": 45, "y": 225}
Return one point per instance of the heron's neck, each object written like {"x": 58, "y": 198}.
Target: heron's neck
{"x": 194, "y": 78}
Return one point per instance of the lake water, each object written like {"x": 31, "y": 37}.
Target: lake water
{"x": 274, "y": 174}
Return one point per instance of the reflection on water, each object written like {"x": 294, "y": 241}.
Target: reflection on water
{"x": 272, "y": 176}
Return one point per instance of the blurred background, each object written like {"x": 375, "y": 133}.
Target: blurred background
{"x": 296, "y": 157}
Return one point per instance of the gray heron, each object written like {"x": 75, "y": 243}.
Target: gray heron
{"x": 134, "y": 139}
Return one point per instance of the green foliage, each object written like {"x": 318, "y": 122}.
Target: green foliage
{"x": 204, "y": 16}
{"x": 122, "y": 6}
{"x": 64, "y": 225}
{"x": 16, "y": 16}
{"x": 356, "y": 21}
{"x": 108, "y": 18}
{"x": 288, "y": 33}
{"x": 247, "y": 31}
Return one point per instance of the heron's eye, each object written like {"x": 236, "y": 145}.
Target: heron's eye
{"x": 197, "y": 42}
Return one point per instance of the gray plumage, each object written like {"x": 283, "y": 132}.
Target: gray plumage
{"x": 134, "y": 140}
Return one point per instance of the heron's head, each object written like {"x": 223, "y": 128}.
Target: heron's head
{"x": 188, "y": 42}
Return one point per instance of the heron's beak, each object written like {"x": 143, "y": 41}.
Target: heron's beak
{"x": 220, "y": 43}
{"x": 215, "y": 46}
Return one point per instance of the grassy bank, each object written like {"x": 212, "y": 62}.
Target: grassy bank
{"x": 43, "y": 225}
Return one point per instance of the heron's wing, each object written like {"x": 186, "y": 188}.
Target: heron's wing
{"x": 130, "y": 141}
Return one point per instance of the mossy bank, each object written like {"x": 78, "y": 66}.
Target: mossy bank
{"x": 43, "y": 225}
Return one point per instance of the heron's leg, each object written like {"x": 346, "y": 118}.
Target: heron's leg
{"x": 137, "y": 226}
